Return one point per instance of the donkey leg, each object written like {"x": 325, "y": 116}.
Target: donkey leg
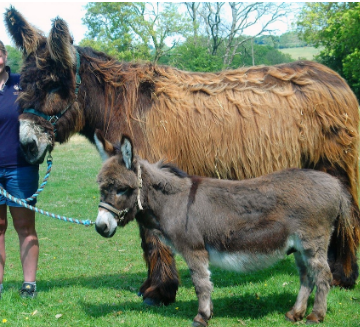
{"x": 306, "y": 286}
{"x": 163, "y": 280}
{"x": 322, "y": 277}
{"x": 198, "y": 263}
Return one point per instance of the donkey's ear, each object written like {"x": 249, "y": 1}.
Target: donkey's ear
{"x": 105, "y": 148}
{"x": 61, "y": 44}
{"x": 25, "y": 36}
{"x": 126, "y": 151}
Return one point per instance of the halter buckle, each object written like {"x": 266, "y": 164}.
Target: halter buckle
{"x": 53, "y": 119}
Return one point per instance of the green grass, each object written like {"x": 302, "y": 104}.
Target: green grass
{"x": 303, "y": 52}
{"x": 87, "y": 280}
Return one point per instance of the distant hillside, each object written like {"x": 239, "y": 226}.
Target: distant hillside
{"x": 302, "y": 52}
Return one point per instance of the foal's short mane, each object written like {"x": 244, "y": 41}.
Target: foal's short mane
{"x": 172, "y": 169}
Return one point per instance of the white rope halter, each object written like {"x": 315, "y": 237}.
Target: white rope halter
{"x": 139, "y": 187}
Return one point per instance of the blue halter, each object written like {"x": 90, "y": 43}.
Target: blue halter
{"x": 54, "y": 118}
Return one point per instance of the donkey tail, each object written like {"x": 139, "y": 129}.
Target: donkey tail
{"x": 343, "y": 261}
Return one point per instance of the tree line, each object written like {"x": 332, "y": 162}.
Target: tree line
{"x": 197, "y": 36}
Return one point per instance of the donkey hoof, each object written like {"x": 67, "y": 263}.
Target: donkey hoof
{"x": 313, "y": 318}
{"x": 152, "y": 302}
{"x": 292, "y": 316}
{"x": 199, "y": 321}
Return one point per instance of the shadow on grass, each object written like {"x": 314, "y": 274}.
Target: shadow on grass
{"x": 242, "y": 307}
{"x": 127, "y": 281}
{"x": 132, "y": 281}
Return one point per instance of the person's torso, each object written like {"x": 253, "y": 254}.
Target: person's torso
{"x": 10, "y": 152}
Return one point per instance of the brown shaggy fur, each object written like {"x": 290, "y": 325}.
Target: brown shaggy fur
{"x": 233, "y": 124}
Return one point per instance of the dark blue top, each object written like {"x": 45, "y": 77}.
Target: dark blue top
{"x": 10, "y": 152}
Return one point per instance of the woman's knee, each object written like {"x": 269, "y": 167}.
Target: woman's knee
{"x": 3, "y": 219}
{"x": 23, "y": 220}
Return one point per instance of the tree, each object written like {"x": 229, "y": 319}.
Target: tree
{"x": 193, "y": 56}
{"x": 127, "y": 25}
{"x": 264, "y": 54}
{"x": 290, "y": 40}
{"x": 14, "y": 59}
{"x": 336, "y": 27}
{"x": 193, "y": 10}
{"x": 226, "y": 33}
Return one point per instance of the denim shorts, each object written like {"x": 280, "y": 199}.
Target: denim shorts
{"x": 20, "y": 182}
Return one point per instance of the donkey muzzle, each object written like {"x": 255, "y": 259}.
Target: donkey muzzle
{"x": 119, "y": 214}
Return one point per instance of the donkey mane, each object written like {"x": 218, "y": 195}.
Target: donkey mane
{"x": 172, "y": 169}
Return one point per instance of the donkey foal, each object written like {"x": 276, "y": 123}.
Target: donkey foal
{"x": 239, "y": 225}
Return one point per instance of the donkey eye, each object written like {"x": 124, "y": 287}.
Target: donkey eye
{"x": 122, "y": 191}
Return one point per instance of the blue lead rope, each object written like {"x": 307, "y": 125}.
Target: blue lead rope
{"x": 28, "y": 206}
{"x": 23, "y": 203}
{"x": 46, "y": 177}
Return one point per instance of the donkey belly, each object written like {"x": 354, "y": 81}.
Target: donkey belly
{"x": 247, "y": 261}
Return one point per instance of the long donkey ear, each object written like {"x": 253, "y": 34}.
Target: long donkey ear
{"x": 25, "y": 36}
{"x": 105, "y": 148}
{"x": 60, "y": 44}
{"x": 126, "y": 151}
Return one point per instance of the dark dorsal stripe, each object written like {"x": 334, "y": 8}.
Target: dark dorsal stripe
{"x": 195, "y": 180}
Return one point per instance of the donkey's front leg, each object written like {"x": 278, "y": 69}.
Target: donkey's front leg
{"x": 163, "y": 280}
{"x": 198, "y": 263}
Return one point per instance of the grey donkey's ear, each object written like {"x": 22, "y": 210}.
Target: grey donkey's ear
{"x": 105, "y": 148}
{"x": 126, "y": 151}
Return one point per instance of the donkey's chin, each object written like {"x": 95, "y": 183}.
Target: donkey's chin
{"x": 103, "y": 233}
{"x": 35, "y": 154}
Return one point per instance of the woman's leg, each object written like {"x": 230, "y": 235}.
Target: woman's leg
{"x": 24, "y": 224}
{"x": 3, "y": 227}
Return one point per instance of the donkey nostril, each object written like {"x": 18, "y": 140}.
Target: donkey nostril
{"x": 32, "y": 147}
{"x": 102, "y": 229}
{"x": 29, "y": 147}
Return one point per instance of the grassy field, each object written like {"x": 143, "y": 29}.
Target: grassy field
{"x": 87, "y": 280}
{"x": 304, "y": 52}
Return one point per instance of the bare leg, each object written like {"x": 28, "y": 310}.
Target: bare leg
{"x": 24, "y": 223}
{"x": 3, "y": 227}
{"x": 163, "y": 280}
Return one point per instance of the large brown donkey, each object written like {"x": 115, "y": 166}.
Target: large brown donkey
{"x": 239, "y": 225}
{"x": 234, "y": 124}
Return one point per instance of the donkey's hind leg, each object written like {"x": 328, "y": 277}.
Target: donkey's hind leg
{"x": 306, "y": 286}
{"x": 163, "y": 281}
{"x": 198, "y": 263}
{"x": 320, "y": 270}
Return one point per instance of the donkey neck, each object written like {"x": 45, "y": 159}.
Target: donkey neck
{"x": 109, "y": 100}
{"x": 161, "y": 186}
